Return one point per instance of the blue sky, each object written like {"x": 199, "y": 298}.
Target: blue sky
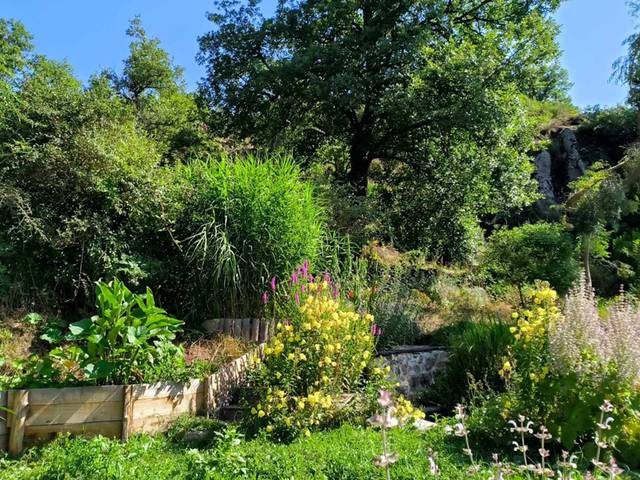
{"x": 90, "y": 36}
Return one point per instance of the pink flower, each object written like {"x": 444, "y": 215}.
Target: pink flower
{"x": 294, "y": 278}
{"x": 265, "y": 298}
{"x": 305, "y": 268}
{"x": 375, "y": 330}
{"x": 273, "y": 284}
{"x": 384, "y": 398}
{"x": 297, "y": 299}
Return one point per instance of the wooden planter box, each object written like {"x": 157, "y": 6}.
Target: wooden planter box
{"x": 37, "y": 415}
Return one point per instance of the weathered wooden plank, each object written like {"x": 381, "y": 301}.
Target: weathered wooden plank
{"x": 246, "y": 328}
{"x": 18, "y": 401}
{"x": 47, "y": 396}
{"x": 164, "y": 407}
{"x": 255, "y": 329}
{"x": 3, "y": 413}
{"x": 127, "y": 412}
{"x": 167, "y": 389}
{"x": 152, "y": 424}
{"x": 58, "y": 413}
{"x": 108, "y": 429}
{"x": 262, "y": 337}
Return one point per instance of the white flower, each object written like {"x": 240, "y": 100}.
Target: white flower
{"x": 383, "y": 461}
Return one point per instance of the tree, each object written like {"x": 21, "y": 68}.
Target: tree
{"x": 155, "y": 87}
{"x": 15, "y": 44}
{"x": 373, "y": 75}
{"x": 148, "y": 70}
{"x": 627, "y": 68}
{"x": 540, "y": 251}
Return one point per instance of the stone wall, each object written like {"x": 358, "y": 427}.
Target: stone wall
{"x": 415, "y": 367}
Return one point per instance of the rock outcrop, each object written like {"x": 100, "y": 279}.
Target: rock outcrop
{"x": 556, "y": 168}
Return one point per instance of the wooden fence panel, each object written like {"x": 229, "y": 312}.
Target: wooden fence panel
{"x": 4, "y": 437}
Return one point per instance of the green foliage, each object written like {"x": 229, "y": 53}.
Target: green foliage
{"x": 617, "y": 125}
{"x": 540, "y": 251}
{"x": 343, "y": 453}
{"x": 128, "y": 341}
{"x": 148, "y": 69}
{"x": 15, "y": 43}
{"x": 431, "y": 111}
{"x": 562, "y": 366}
{"x": 476, "y": 352}
{"x": 245, "y": 220}
{"x": 126, "y": 334}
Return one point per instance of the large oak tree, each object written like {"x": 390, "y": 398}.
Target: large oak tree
{"x": 379, "y": 76}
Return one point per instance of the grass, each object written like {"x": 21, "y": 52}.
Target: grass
{"x": 344, "y": 453}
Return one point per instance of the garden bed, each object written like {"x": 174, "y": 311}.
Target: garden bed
{"x": 116, "y": 411}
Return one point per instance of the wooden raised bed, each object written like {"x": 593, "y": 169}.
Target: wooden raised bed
{"x": 37, "y": 415}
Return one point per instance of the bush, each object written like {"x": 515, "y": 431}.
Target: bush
{"x": 322, "y": 348}
{"x": 476, "y": 352}
{"x": 540, "y": 251}
{"x": 564, "y": 366}
{"x": 245, "y": 220}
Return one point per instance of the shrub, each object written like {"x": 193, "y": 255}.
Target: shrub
{"x": 563, "y": 367}
{"x": 476, "y": 352}
{"x": 540, "y": 251}
{"x": 244, "y": 221}
{"x": 322, "y": 348}
{"x": 128, "y": 341}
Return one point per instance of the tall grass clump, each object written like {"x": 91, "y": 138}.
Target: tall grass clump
{"x": 244, "y": 221}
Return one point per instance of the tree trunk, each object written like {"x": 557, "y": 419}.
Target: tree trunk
{"x": 360, "y": 157}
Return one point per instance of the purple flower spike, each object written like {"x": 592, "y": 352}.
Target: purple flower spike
{"x": 305, "y": 268}
{"x": 335, "y": 292}
{"x": 302, "y": 288}
{"x": 265, "y": 298}
{"x": 273, "y": 284}
{"x": 297, "y": 299}
{"x": 294, "y": 278}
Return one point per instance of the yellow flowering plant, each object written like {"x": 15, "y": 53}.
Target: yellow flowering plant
{"x": 527, "y": 366}
{"x": 322, "y": 348}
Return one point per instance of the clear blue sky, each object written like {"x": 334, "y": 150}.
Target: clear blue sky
{"x": 90, "y": 36}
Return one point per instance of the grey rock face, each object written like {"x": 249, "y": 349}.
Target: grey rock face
{"x": 545, "y": 184}
{"x": 415, "y": 371}
{"x": 575, "y": 165}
